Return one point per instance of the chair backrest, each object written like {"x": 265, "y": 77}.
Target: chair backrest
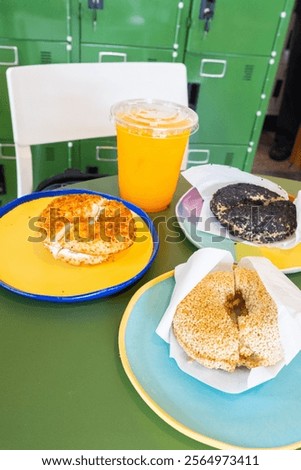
{"x": 64, "y": 102}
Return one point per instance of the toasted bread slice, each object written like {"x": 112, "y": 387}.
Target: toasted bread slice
{"x": 229, "y": 320}
{"x": 87, "y": 228}
{"x": 259, "y": 339}
{"x": 203, "y": 323}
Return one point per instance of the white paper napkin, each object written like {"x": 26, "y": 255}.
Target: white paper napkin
{"x": 207, "y": 179}
{"x": 285, "y": 294}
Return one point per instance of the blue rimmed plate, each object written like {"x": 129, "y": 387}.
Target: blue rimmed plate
{"x": 267, "y": 416}
{"x": 27, "y": 268}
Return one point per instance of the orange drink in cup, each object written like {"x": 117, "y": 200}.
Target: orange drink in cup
{"x": 152, "y": 136}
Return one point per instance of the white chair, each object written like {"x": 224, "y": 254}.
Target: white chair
{"x": 65, "y": 102}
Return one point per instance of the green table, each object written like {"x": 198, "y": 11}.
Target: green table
{"x": 62, "y": 385}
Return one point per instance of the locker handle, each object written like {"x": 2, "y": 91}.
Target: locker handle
{"x": 205, "y": 153}
{"x": 99, "y": 150}
{"x": 220, "y": 74}
{"x": 207, "y": 12}
{"x": 122, "y": 55}
{"x": 14, "y": 49}
{"x": 2, "y": 154}
{"x": 95, "y": 4}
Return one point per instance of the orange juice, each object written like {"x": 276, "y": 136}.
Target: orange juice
{"x": 151, "y": 140}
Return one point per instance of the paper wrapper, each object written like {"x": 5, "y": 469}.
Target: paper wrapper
{"x": 285, "y": 294}
{"x": 207, "y": 179}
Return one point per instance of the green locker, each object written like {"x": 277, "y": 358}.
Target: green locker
{"x": 228, "y": 96}
{"x": 52, "y": 159}
{"x": 237, "y": 26}
{"x": 136, "y": 23}
{"x": 231, "y": 52}
{"x": 35, "y": 20}
{"x": 232, "y": 155}
{"x": 99, "y": 156}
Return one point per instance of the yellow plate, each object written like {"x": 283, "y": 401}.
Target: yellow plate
{"x": 29, "y": 269}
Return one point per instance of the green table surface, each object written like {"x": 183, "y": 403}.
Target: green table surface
{"x": 62, "y": 384}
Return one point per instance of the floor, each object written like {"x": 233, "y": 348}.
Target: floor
{"x": 264, "y": 165}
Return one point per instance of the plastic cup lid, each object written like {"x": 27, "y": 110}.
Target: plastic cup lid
{"x": 155, "y": 117}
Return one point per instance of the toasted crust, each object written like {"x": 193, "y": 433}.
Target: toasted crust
{"x": 86, "y": 229}
{"x": 203, "y": 325}
{"x": 229, "y": 320}
{"x": 259, "y": 339}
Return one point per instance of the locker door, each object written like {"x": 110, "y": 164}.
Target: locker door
{"x": 23, "y": 19}
{"x": 135, "y": 23}
{"x": 99, "y": 156}
{"x": 231, "y": 155}
{"x": 52, "y": 159}
{"x": 229, "y": 96}
{"x": 238, "y": 26}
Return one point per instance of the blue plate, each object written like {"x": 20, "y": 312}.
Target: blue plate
{"x": 267, "y": 416}
{"x": 28, "y": 269}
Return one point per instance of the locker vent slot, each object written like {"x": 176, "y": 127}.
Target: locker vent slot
{"x": 229, "y": 158}
{"x": 49, "y": 152}
{"x": 46, "y": 57}
{"x": 248, "y": 72}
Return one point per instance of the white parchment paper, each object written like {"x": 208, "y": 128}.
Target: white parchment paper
{"x": 285, "y": 294}
{"x": 207, "y": 179}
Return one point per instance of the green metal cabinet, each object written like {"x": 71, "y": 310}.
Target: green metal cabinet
{"x": 31, "y": 33}
{"x": 35, "y": 19}
{"x": 228, "y": 96}
{"x": 99, "y": 156}
{"x": 51, "y": 159}
{"x": 244, "y": 27}
{"x": 232, "y": 54}
{"x": 121, "y": 31}
{"x": 231, "y": 51}
{"x": 136, "y": 23}
{"x": 201, "y": 154}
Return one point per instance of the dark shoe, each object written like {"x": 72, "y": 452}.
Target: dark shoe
{"x": 280, "y": 151}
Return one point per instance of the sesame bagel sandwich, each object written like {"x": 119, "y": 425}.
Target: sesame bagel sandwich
{"x": 86, "y": 229}
{"x": 231, "y": 325}
{"x": 229, "y": 320}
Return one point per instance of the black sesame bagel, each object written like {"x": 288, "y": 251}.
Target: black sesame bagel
{"x": 254, "y": 213}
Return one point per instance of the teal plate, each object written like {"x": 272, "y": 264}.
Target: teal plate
{"x": 267, "y": 416}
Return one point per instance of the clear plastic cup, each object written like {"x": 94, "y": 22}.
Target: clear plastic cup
{"x": 152, "y": 136}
